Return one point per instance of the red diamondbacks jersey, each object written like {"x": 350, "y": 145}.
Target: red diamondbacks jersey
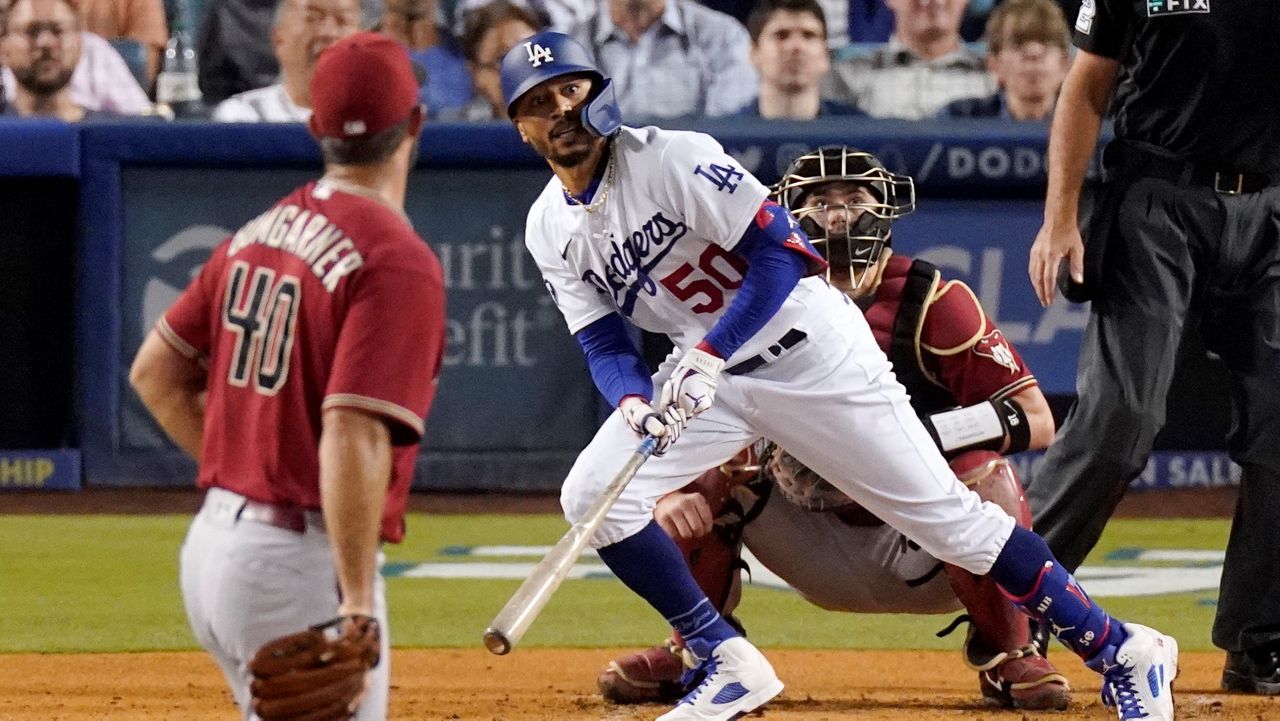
{"x": 327, "y": 299}
{"x": 962, "y": 353}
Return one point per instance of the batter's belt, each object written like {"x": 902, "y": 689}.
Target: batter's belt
{"x": 789, "y": 340}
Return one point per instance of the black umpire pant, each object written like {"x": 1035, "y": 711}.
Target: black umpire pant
{"x": 1182, "y": 258}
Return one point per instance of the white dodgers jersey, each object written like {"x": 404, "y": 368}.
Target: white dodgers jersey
{"x": 657, "y": 250}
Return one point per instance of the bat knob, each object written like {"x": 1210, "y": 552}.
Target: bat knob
{"x": 496, "y": 642}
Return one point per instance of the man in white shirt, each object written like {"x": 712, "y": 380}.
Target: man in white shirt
{"x": 44, "y": 52}
{"x": 924, "y": 66}
{"x": 303, "y": 28}
{"x": 101, "y": 80}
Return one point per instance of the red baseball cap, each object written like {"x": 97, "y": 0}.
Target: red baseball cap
{"x": 363, "y": 84}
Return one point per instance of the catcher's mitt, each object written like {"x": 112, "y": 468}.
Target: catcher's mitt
{"x": 801, "y": 485}
{"x": 317, "y": 674}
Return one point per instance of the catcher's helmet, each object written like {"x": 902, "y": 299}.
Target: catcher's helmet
{"x": 547, "y": 55}
{"x": 862, "y": 241}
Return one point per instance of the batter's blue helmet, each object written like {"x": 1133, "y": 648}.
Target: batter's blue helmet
{"x": 547, "y": 55}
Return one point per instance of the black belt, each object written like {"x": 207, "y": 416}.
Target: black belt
{"x": 786, "y": 342}
{"x": 289, "y": 518}
{"x": 1228, "y": 181}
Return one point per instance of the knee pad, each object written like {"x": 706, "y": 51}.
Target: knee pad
{"x": 992, "y": 477}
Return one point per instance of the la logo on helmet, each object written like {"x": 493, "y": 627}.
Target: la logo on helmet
{"x": 538, "y": 54}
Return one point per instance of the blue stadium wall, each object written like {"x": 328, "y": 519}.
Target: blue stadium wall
{"x": 114, "y": 219}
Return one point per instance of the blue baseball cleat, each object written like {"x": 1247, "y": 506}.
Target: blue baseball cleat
{"x": 1137, "y": 677}
{"x": 738, "y": 681}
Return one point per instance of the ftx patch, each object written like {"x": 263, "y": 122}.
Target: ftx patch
{"x": 1160, "y": 8}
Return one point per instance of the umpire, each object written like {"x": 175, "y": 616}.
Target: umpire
{"x": 1189, "y": 215}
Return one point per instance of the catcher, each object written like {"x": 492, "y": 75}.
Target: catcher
{"x": 976, "y": 397}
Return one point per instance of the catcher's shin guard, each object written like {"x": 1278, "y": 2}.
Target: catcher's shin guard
{"x": 654, "y": 675}
{"x": 1012, "y": 672}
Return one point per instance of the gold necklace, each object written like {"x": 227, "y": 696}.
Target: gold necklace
{"x": 604, "y": 192}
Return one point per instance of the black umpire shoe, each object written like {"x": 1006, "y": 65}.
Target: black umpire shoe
{"x": 1256, "y": 671}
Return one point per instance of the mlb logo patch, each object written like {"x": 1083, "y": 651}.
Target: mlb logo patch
{"x": 1161, "y": 8}
{"x": 1084, "y": 20}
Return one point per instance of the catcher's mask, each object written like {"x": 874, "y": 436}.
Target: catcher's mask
{"x": 855, "y": 234}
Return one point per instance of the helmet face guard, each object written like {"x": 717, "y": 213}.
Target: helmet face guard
{"x": 850, "y": 236}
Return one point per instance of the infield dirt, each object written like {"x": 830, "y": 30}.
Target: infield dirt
{"x": 560, "y": 685}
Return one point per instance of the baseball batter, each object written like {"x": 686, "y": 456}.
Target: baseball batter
{"x": 317, "y": 332}
{"x": 956, "y": 365}
{"x": 664, "y": 231}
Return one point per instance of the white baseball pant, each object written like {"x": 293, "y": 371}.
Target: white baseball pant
{"x": 245, "y": 583}
{"x": 833, "y": 402}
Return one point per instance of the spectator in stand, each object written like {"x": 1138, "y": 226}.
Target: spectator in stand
{"x": 417, "y": 25}
{"x": 491, "y": 31}
{"x": 1027, "y": 52}
{"x": 789, "y": 50}
{"x": 40, "y": 43}
{"x": 142, "y": 21}
{"x": 303, "y": 28}
{"x": 563, "y": 15}
{"x": 671, "y": 58}
{"x": 924, "y": 66}
{"x": 235, "y": 49}
{"x": 101, "y": 81}
{"x": 871, "y": 21}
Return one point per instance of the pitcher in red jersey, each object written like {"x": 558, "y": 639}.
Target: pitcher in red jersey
{"x": 298, "y": 368}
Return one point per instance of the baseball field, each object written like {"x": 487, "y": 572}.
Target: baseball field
{"x": 93, "y": 628}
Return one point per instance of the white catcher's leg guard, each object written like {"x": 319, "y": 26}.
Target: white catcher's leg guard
{"x": 739, "y": 680}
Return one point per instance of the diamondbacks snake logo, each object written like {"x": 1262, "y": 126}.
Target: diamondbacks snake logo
{"x": 994, "y": 346}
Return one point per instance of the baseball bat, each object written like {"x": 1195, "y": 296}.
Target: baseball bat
{"x": 509, "y": 626}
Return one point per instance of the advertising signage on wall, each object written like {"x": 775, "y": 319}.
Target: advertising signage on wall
{"x": 515, "y": 401}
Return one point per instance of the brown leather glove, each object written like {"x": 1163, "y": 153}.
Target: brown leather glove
{"x": 318, "y": 674}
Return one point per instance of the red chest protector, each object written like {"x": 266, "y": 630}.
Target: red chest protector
{"x": 896, "y": 313}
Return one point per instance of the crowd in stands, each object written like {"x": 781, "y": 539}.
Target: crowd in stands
{"x": 773, "y": 59}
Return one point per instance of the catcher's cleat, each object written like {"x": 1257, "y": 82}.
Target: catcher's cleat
{"x": 648, "y": 676}
{"x": 1137, "y": 677}
{"x": 738, "y": 680}
{"x": 1025, "y": 680}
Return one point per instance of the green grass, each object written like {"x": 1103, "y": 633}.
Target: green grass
{"x": 109, "y": 583}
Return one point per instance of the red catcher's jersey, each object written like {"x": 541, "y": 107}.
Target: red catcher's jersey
{"x": 963, "y": 356}
{"x": 328, "y": 299}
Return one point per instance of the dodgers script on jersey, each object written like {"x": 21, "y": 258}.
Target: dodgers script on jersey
{"x": 658, "y": 250}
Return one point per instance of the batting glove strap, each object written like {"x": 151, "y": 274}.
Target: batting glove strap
{"x": 692, "y": 385}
